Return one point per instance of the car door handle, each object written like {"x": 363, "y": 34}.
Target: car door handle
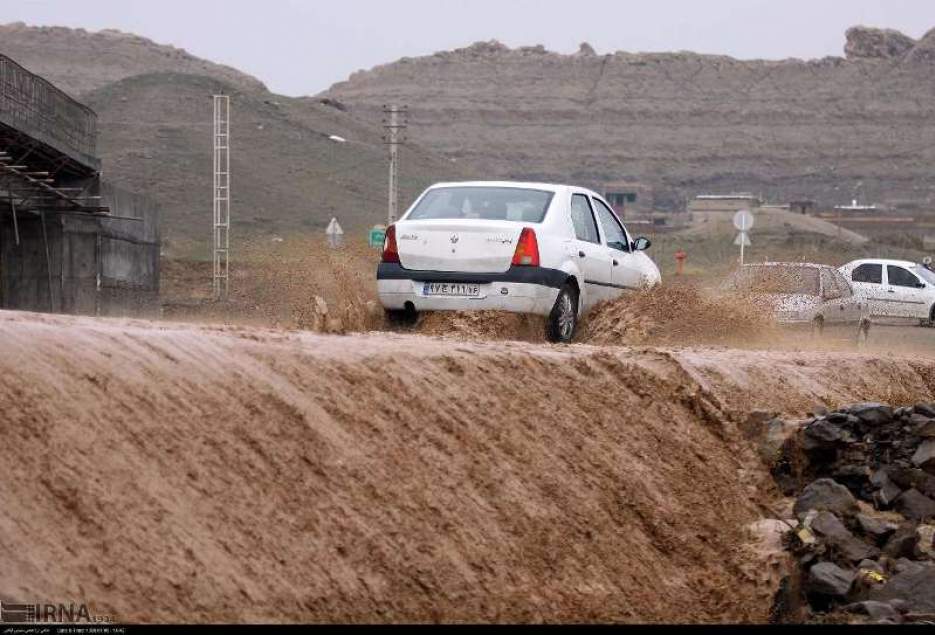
{"x": 581, "y": 254}
{"x": 890, "y": 291}
{"x": 616, "y": 264}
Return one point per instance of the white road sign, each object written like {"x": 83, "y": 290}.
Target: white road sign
{"x": 335, "y": 234}
{"x": 743, "y": 220}
{"x": 742, "y": 240}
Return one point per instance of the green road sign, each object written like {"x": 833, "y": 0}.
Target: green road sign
{"x": 377, "y": 235}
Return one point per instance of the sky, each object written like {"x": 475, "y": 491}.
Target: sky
{"x": 301, "y": 47}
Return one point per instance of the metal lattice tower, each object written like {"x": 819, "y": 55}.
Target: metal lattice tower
{"x": 222, "y": 201}
{"x": 394, "y": 122}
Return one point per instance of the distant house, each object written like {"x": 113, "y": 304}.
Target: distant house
{"x": 723, "y": 203}
{"x": 627, "y": 197}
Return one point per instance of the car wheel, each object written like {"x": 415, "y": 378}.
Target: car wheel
{"x": 401, "y": 317}
{"x": 564, "y": 316}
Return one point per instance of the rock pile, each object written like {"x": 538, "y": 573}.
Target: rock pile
{"x": 866, "y": 514}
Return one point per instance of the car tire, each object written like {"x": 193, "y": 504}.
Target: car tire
{"x": 563, "y": 320}
{"x": 401, "y": 317}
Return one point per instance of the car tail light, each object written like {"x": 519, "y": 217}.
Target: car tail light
{"x": 390, "y": 251}
{"x": 527, "y": 249}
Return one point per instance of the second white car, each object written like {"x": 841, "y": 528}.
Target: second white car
{"x": 895, "y": 289}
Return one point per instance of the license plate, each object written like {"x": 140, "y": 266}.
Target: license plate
{"x": 452, "y": 289}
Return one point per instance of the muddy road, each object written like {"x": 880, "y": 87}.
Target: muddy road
{"x": 174, "y": 472}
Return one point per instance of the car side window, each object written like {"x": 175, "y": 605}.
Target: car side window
{"x": 868, "y": 273}
{"x": 583, "y": 219}
{"x": 843, "y": 284}
{"x": 614, "y": 233}
{"x": 829, "y": 289}
{"x": 900, "y": 277}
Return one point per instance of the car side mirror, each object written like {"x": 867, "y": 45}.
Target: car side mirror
{"x": 642, "y": 244}
{"x": 920, "y": 285}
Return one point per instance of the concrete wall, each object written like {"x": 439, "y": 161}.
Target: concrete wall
{"x": 99, "y": 265}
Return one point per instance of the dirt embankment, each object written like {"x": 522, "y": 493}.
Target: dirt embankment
{"x": 181, "y": 473}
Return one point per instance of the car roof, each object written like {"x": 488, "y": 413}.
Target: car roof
{"x": 882, "y": 261}
{"x": 806, "y": 265}
{"x": 525, "y": 185}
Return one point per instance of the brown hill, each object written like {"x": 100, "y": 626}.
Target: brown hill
{"x": 287, "y": 173}
{"x": 154, "y": 108}
{"x": 829, "y": 129}
{"x": 78, "y": 61}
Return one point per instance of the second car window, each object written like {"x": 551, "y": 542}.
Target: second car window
{"x": 901, "y": 277}
{"x": 613, "y": 232}
{"x": 583, "y": 219}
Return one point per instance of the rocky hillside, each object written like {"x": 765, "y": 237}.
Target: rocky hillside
{"x": 830, "y": 129}
{"x": 77, "y": 61}
{"x": 155, "y": 113}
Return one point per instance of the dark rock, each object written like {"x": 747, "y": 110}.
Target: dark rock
{"x": 837, "y": 417}
{"x": 926, "y": 431}
{"x": 924, "y": 457}
{"x": 902, "y": 543}
{"x": 867, "y": 42}
{"x": 876, "y": 610}
{"x": 925, "y": 409}
{"x": 915, "y": 505}
{"x": 904, "y": 476}
{"x": 874, "y": 528}
{"x": 905, "y": 565}
{"x": 874, "y": 414}
{"x": 917, "y": 420}
{"x": 916, "y": 588}
{"x": 855, "y": 477}
{"x": 830, "y": 580}
{"x": 888, "y": 491}
{"x": 823, "y": 435}
{"x": 900, "y": 605}
{"x": 825, "y": 495}
{"x": 835, "y": 534}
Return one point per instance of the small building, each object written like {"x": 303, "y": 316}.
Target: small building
{"x": 723, "y": 203}
{"x": 628, "y": 197}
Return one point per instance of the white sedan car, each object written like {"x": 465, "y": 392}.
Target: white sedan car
{"x": 551, "y": 250}
{"x": 894, "y": 288}
{"x": 802, "y": 293}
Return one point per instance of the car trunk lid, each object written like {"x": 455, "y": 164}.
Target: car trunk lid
{"x": 470, "y": 246}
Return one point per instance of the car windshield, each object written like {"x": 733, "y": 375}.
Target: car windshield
{"x": 483, "y": 203}
{"x": 776, "y": 279}
{"x": 926, "y": 274}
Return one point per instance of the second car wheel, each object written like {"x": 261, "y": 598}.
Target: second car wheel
{"x": 564, "y": 316}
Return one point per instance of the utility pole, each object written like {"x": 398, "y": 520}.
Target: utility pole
{"x": 395, "y": 120}
{"x": 222, "y": 201}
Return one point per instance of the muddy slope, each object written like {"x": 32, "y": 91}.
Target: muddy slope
{"x": 179, "y": 473}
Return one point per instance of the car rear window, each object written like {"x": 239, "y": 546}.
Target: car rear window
{"x": 483, "y": 203}
{"x": 773, "y": 279}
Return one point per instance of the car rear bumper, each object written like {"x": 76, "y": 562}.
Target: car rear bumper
{"x": 518, "y": 290}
